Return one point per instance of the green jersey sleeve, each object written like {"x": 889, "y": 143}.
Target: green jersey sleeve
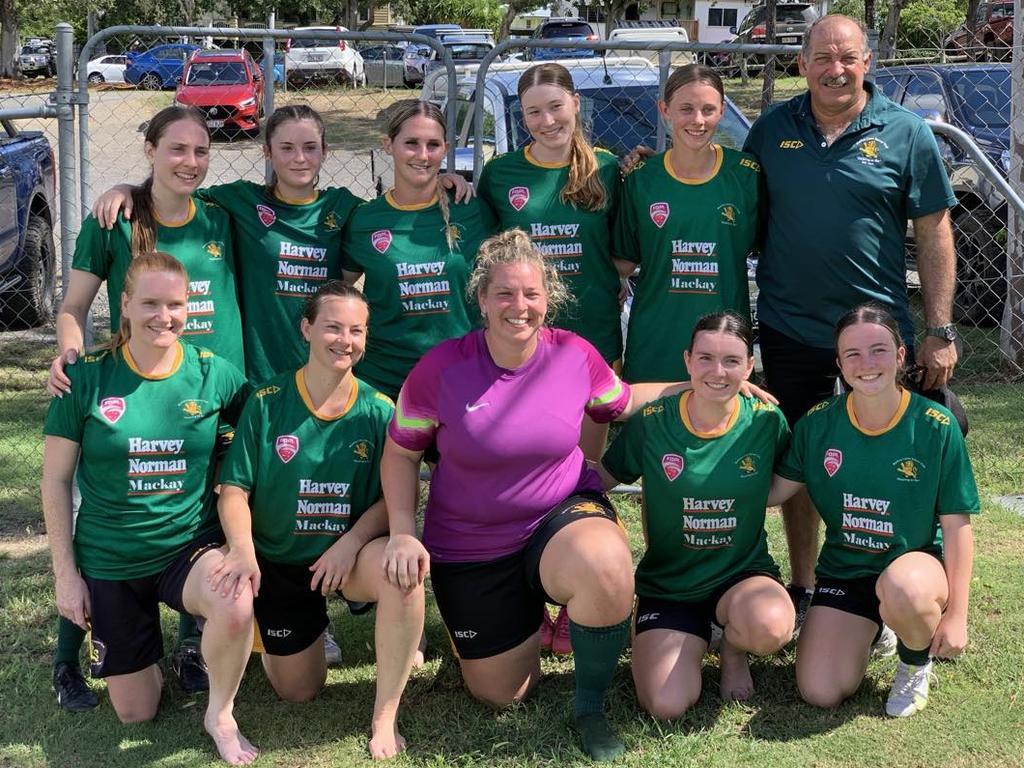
{"x": 624, "y": 231}
{"x": 791, "y": 465}
{"x": 624, "y": 458}
{"x": 66, "y": 415}
{"x": 240, "y": 464}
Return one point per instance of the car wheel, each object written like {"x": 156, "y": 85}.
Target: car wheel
{"x": 95, "y": 78}
{"x": 151, "y": 82}
{"x": 32, "y": 303}
{"x": 980, "y": 268}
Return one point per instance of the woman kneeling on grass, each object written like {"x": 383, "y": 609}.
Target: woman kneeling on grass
{"x": 303, "y": 515}
{"x": 889, "y": 474}
{"x": 142, "y": 417}
{"x": 706, "y": 458}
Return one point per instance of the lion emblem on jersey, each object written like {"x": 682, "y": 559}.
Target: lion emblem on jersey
{"x": 330, "y": 221}
{"x": 729, "y": 214}
{"x": 214, "y": 249}
{"x": 191, "y": 408}
{"x": 286, "y": 447}
{"x": 908, "y": 469}
{"x": 518, "y": 197}
{"x": 748, "y": 465}
{"x": 659, "y": 214}
{"x": 361, "y": 450}
{"x": 869, "y": 149}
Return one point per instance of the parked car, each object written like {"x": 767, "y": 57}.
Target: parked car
{"x": 159, "y": 67}
{"x": 559, "y": 29}
{"x": 107, "y": 69}
{"x": 384, "y": 64}
{"x": 227, "y": 86}
{"x": 27, "y": 195}
{"x": 465, "y": 45}
{"x": 992, "y": 37}
{"x": 791, "y": 21}
{"x": 976, "y": 99}
{"x": 436, "y": 30}
{"x": 464, "y": 50}
{"x": 649, "y": 35}
{"x": 308, "y": 59}
{"x": 37, "y": 58}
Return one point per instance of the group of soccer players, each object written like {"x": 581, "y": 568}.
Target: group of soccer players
{"x": 316, "y": 478}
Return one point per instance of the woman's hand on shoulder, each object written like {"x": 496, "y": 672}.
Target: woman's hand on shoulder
{"x": 107, "y": 206}
{"x": 73, "y": 599}
{"x": 332, "y": 568}
{"x": 636, "y": 155}
{"x": 59, "y": 384}
{"x": 237, "y": 567}
{"x": 406, "y": 561}
{"x": 748, "y": 389}
{"x": 464, "y": 191}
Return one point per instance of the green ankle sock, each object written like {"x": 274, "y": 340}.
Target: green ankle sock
{"x": 596, "y": 651}
{"x": 70, "y": 637}
{"x": 600, "y": 742}
{"x": 910, "y": 656}
{"x": 188, "y": 631}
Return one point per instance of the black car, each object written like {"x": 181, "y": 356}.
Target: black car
{"x": 976, "y": 99}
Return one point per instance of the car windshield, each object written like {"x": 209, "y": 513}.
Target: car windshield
{"x": 566, "y": 30}
{"x": 984, "y": 96}
{"x": 468, "y": 51}
{"x": 33, "y": 49}
{"x": 216, "y": 73}
{"x": 299, "y": 42}
{"x": 790, "y": 14}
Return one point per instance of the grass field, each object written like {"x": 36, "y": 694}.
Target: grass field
{"x": 975, "y": 717}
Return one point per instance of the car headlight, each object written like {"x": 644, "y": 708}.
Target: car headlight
{"x": 248, "y": 103}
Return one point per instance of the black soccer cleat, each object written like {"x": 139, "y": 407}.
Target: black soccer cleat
{"x": 73, "y": 694}
{"x": 187, "y": 663}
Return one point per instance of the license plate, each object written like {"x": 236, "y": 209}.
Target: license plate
{"x": 789, "y": 40}
{"x": 215, "y": 123}
{"x": 317, "y": 57}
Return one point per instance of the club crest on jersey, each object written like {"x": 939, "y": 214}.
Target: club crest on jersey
{"x": 748, "y": 465}
{"x": 215, "y": 249}
{"x": 112, "y": 408}
{"x": 192, "y": 409}
{"x": 286, "y": 446}
{"x": 518, "y": 197}
{"x": 833, "y": 461}
{"x": 908, "y": 469}
{"x": 659, "y": 214}
{"x": 870, "y": 150}
{"x": 729, "y": 214}
{"x": 266, "y": 214}
{"x": 673, "y": 465}
{"x": 381, "y": 240}
{"x": 331, "y": 221}
{"x": 361, "y": 450}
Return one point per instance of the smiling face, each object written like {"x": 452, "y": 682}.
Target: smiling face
{"x": 180, "y": 157}
{"x": 718, "y": 363}
{"x": 514, "y": 304}
{"x": 157, "y": 308}
{"x": 550, "y": 113}
{"x": 337, "y": 336}
{"x": 418, "y": 150}
{"x": 869, "y": 358}
{"x": 835, "y": 65}
{"x": 694, "y": 112}
{"x": 296, "y": 152}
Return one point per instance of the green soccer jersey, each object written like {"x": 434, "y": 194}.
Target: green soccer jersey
{"x": 309, "y": 477}
{"x": 525, "y": 193}
{"x": 415, "y": 283}
{"x": 880, "y": 492}
{"x": 147, "y": 446}
{"x": 704, "y": 494}
{"x": 691, "y": 240}
{"x": 203, "y": 244}
{"x": 286, "y": 251}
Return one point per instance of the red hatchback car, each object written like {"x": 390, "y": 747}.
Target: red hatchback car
{"x": 227, "y": 86}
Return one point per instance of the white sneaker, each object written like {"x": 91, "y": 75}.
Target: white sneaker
{"x": 331, "y": 650}
{"x": 909, "y": 692}
{"x": 885, "y": 645}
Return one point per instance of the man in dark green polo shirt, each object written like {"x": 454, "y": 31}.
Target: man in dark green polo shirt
{"x": 844, "y": 171}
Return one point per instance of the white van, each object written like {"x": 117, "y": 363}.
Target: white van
{"x": 650, "y": 35}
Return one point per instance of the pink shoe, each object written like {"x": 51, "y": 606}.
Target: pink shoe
{"x": 561, "y": 643}
{"x": 547, "y": 631}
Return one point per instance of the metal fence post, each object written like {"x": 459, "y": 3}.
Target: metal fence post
{"x": 269, "y": 46}
{"x": 64, "y": 96}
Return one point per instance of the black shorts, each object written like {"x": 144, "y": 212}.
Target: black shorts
{"x": 492, "y": 606}
{"x": 289, "y": 615}
{"x": 798, "y": 375}
{"x": 692, "y": 617}
{"x": 125, "y": 614}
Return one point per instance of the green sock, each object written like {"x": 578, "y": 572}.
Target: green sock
{"x": 70, "y": 637}
{"x": 188, "y": 631}
{"x": 910, "y": 656}
{"x": 596, "y": 653}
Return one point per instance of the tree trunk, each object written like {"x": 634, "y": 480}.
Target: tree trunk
{"x": 869, "y": 14}
{"x": 887, "y": 42}
{"x": 371, "y": 9}
{"x": 972, "y": 14}
{"x": 8, "y": 39}
{"x": 768, "y": 75}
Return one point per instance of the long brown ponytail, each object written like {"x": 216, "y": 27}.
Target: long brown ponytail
{"x": 583, "y": 188}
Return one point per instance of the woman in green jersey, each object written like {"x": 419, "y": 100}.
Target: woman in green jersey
{"x": 416, "y": 250}
{"x": 140, "y": 424}
{"x": 688, "y": 217}
{"x": 706, "y": 457}
{"x": 170, "y": 218}
{"x": 888, "y": 472}
{"x": 303, "y": 514}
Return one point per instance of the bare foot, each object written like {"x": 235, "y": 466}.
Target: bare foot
{"x": 233, "y": 747}
{"x": 736, "y": 683}
{"x": 386, "y": 742}
{"x": 420, "y": 656}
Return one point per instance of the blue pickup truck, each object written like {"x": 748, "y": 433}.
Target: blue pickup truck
{"x": 27, "y": 260}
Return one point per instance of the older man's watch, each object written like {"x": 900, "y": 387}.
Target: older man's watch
{"x": 946, "y": 332}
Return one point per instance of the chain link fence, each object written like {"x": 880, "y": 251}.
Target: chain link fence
{"x": 619, "y": 84}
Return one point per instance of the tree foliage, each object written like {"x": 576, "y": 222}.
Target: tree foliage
{"x": 922, "y": 23}
{"x": 473, "y": 14}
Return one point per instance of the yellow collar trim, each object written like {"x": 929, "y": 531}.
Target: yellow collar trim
{"x": 173, "y": 225}
{"x": 904, "y": 403}
{"x": 528, "y": 154}
{"x": 685, "y": 416}
{"x": 300, "y": 384}
{"x": 389, "y": 197}
{"x": 719, "y": 156}
{"x": 303, "y": 201}
{"x": 179, "y": 354}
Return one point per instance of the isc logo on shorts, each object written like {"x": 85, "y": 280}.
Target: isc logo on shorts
{"x": 465, "y": 634}
{"x": 647, "y": 617}
{"x": 831, "y": 591}
{"x": 278, "y": 632}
